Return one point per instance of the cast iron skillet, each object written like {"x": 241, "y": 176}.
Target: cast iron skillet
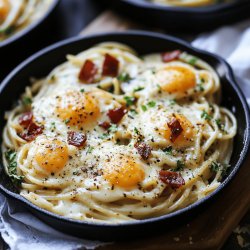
{"x": 43, "y": 62}
{"x": 29, "y": 28}
{"x": 182, "y": 18}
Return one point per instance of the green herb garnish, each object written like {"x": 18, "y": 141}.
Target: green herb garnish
{"x": 144, "y": 108}
{"x": 104, "y": 136}
{"x": 206, "y": 116}
{"x": 89, "y": 150}
{"x": 192, "y": 61}
{"x": 219, "y": 167}
{"x": 124, "y": 77}
{"x": 10, "y": 156}
{"x": 133, "y": 112}
{"x": 129, "y": 100}
{"x": 220, "y": 125}
{"x": 26, "y": 101}
{"x": 113, "y": 128}
{"x": 138, "y": 89}
{"x": 151, "y": 104}
{"x": 180, "y": 166}
{"x": 66, "y": 121}
{"x": 168, "y": 150}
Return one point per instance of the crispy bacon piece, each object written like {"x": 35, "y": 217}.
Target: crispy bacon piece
{"x": 143, "y": 149}
{"x": 76, "y": 139}
{"x": 173, "y": 179}
{"x": 32, "y": 131}
{"x": 176, "y": 129}
{"x": 105, "y": 125}
{"x": 110, "y": 66}
{"x": 25, "y": 119}
{"x": 170, "y": 56}
{"x": 116, "y": 115}
{"x": 88, "y": 72}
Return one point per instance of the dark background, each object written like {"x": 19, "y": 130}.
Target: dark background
{"x": 64, "y": 25}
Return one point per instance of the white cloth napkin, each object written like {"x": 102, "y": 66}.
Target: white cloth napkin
{"x": 233, "y": 44}
{"x": 22, "y": 230}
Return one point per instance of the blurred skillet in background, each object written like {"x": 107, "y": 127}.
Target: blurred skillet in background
{"x": 184, "y": 19}
{"x": 40, "y": 64}
{"x": 16, "y": 46}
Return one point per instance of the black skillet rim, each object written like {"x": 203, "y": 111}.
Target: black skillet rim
{"x": 215, "y": 8}
{"x": 28, "y": 29}
{"x": 230, "y": 79}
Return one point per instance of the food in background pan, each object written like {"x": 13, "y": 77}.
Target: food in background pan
{"x": 112, "y": 136}
{"x": 16, "y": 15}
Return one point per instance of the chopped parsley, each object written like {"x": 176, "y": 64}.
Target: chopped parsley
{"x": 124, "y": 77}
{"x": 82, "y": 90}
{"x": 10, "y": 156}
{"x": 151, "y": 104}
{"x": 144, "y": 108}
{"x": 200, "y": 87}
{"x": 192, "y": 61}
{"x": 219, "y": 167}
{"x": 133, "y": 112}
{"x": 104, "y": 136}
{"x": 206, "y": 116}
{"x": 179, "y": 166}
{"x": 129, "y": 100}
{"x": 66, "y": 121}
{"x": 220, "y": 125}
{"x": 138, "y": 89}
{"x": 26, "y": 101}
{"x": 89, "y": 150}
{"x": 168, "y": 150}
{"x": 113, "y": 128}
{"x": 53, "y": 126}
{"x": 137, "y": 131}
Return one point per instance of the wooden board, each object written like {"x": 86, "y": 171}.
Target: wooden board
{"x": 211, "y": 228}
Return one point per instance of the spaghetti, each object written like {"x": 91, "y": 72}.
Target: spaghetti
{"x": 110, "y": 136}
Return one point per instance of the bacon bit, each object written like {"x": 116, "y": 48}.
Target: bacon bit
{"x": 88, "y": 72}
{"x": 110, "y": 66}
{"x": 116, "y": 115}
{"x": 143, "y": 149}
{"x": 31, "y": 132}
{"x": 76, "y": 139}
{"x": 173, "y": 179}
{"x": 176, "y": 129}
{"x": 170, "y": 56}
{"x": 25, "y": 119}
{"x": 105, "y": 125}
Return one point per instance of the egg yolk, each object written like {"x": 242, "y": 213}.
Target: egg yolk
{"x": 52, "y": 156}
{"x": 78, "y": 109}
{"x": 4, "y": 9}
{"x": 123, "y": 172}
{"x": 176, "y": 79}
{"x": 185, "y": 138}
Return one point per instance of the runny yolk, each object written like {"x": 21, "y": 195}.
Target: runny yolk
{"x": 176, "y": 79}
{"x": 4, "y": 9}
{"x": 185, "y": 138}
{"x": 123, "y": 172}
{"x": 78, "y": 109}
{"x": 52, "y": 156}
